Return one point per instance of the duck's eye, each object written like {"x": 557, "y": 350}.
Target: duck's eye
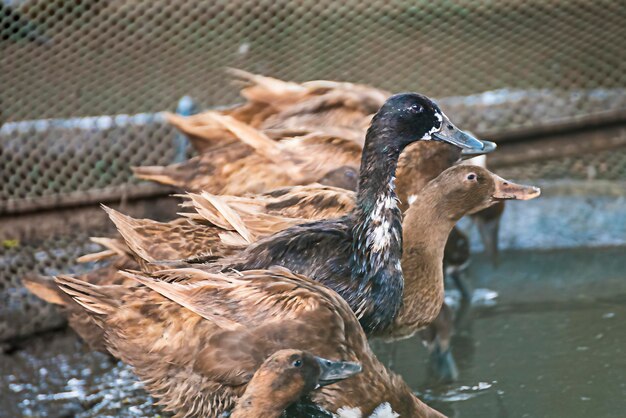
{"x": 297, "y": 363}
{"x": 415, "y": 108}
{"x": 471, "y": 177}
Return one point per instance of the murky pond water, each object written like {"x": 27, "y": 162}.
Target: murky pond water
{"x": 552, "y": 344}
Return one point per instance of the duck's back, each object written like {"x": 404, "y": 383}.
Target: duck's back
{"x": 319, "y": 250}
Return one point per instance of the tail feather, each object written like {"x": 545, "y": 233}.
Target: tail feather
{"x": 89, "y": 296}
{"x": 202, "y": 130}
{"x": 99, "y": 256}
{"x": 113, "y": 247}
{"x": 45, "y": 288}
{"x": 262, "y": 144}
{"x": 217, "y": 211}
{"x": 158, "y": 174}
{"x": 258, "y": 88}
{"x": 126, "y": 227}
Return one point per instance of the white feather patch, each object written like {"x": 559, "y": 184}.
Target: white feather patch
{"x": 382, "y": 411}
{"x": 434, "y": 129}
{"x": 349, "y": 413}
{"x": 381, "y": 236}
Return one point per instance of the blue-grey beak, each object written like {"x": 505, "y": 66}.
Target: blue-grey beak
{"x": 333, "y": 371}
{"x": 471, "y": 153}
{"x": 453, "y": 135}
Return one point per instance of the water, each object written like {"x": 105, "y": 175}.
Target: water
{"x": 552, "y": 344}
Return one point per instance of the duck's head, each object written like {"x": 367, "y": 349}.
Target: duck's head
{"x": 466, "y": 189}
{"x": 345, "y": 177}
{"x": 291, "y": 374}
{"x": 410, "y": 117}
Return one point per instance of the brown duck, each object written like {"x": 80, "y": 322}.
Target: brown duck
{"x": 286, "y": 378}
{"x": 196, "y": 339}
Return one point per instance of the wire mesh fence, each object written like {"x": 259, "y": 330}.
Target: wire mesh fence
{"x": 62, "y": 162}
{"x": 65, "y": 58}
{"x": 496, "y": 65}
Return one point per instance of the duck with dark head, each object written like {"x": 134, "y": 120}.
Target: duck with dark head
{"x": 359, "y": 254}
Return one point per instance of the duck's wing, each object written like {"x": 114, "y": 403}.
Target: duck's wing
{"x": 306, "y": 157}
{"x": 311, "y": 202}
{"x": 202, "y": 172}
{"x": 241, "y": 299}
{"x": 261, "y": 215}
{"x": 196, "y": 338}
{"x": 319, "y": 250}
{"x": 320, "y": 153}
{"x": 152, "y": 242}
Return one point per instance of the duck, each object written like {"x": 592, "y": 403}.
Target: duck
{"x": 284, "y": 379}
{"x": 197, "y": 339}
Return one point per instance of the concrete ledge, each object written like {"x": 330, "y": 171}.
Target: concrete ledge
{"x": 567, "y": 215}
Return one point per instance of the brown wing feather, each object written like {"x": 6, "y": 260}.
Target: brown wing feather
{"x": 310, "y": 202}
{"x": 203, "y": 132}
{"x": 152, "y": 242}
{"x": 44, "y": 288}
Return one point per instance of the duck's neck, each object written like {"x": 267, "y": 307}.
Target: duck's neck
{"x": 257, "y": 405}
{"x": 427, "y": 225}
{"x": 377, "y": 233}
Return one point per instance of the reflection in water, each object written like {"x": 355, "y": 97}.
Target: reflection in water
{"x": 551, "y": 345}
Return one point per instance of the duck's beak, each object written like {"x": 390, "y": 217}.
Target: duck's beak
{"x": 453, "y": 135}
{"x": 490, "y": 147}
{"x": 506, "y": 190}
{"x": 333, "y": 371}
